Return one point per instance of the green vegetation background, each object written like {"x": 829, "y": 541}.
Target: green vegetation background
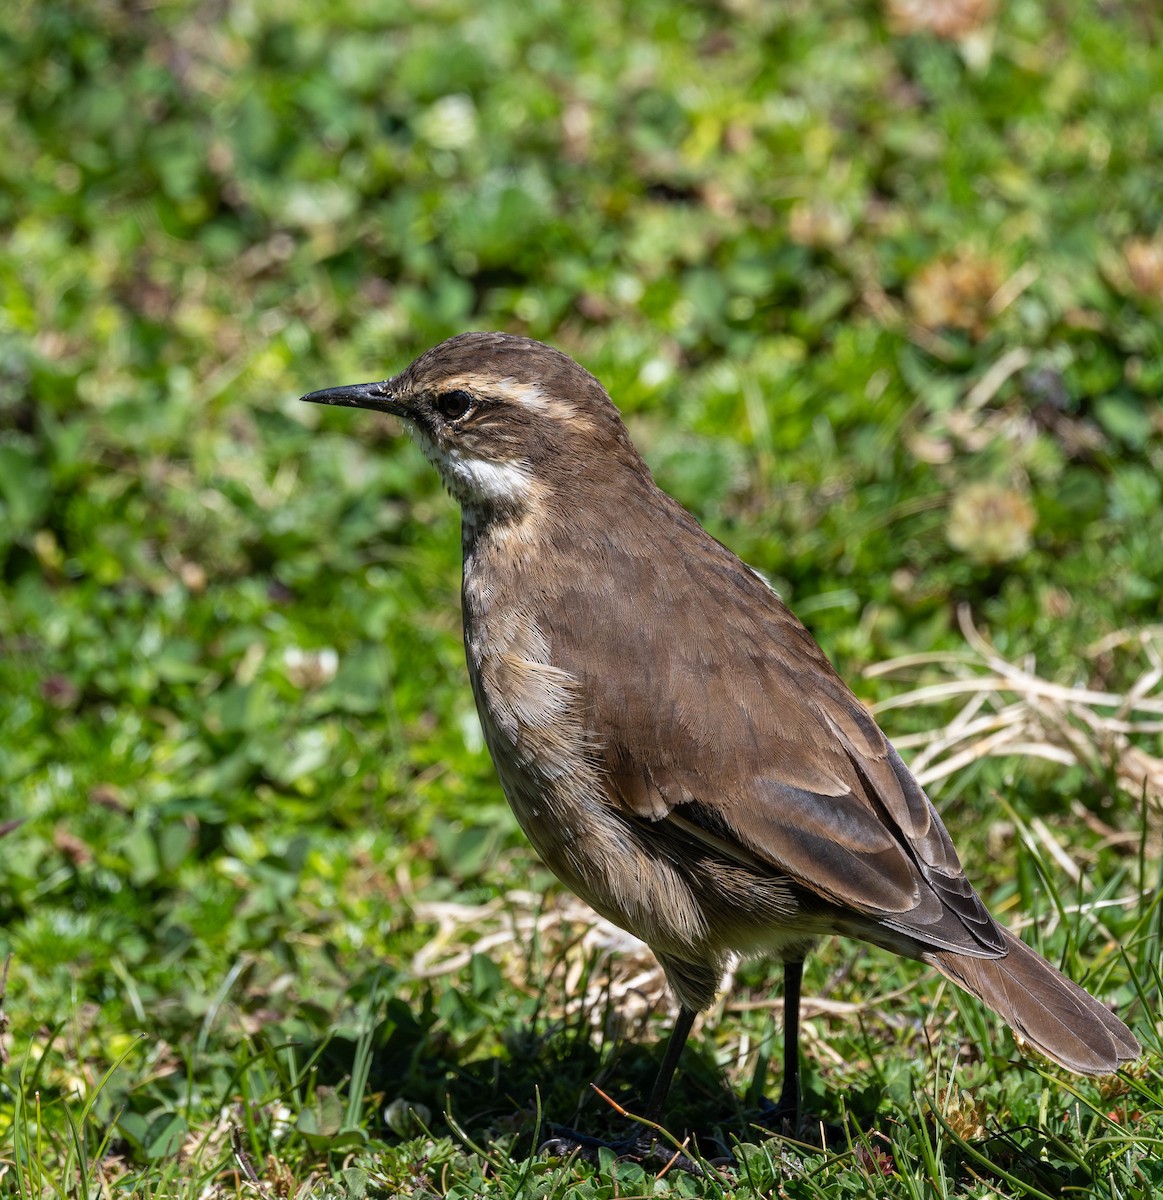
{"x": 879, "y": 291}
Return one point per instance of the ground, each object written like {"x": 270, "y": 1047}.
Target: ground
{"x": 878, "y": 288}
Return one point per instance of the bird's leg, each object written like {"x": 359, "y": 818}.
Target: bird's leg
{"x": 786, "y": 1111}
{"x": 789, "y": 1093}
{"x": 674, "y": 1046}
{"x": 643, "y": 1143}
{"x": 784, "y": 1115}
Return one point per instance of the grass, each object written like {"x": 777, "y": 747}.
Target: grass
{"x": 880, "y": 297}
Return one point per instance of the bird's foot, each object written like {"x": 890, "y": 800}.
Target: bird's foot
{"x": 787, "y": 1120}
{"x": 645, "y": 1148}
{"x": 778, "y": 1116}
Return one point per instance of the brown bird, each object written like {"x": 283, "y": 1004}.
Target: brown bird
{"x": 675, "y": 745}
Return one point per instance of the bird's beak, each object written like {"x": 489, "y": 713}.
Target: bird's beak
{"x": 378, "y": 396}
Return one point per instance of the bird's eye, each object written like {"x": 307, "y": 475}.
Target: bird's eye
{"x": 453, "y": 405}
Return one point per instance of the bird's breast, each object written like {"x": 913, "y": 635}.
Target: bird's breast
{"x": 531, "y": 710}
{"x": 533, "y": 714}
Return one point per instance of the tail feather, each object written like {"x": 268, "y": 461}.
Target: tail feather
{"x": 1057, "y": 1017}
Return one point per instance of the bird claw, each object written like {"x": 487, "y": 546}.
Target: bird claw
{"x": 779, "y": 1117}
{"x": 644, "y": 1149}
{"x": 788, "y": 1121}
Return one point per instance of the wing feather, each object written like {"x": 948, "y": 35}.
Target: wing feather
{"x": 743, "y": 734}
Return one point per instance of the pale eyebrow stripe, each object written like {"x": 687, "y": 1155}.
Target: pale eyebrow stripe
{"x": 530, "y": 396}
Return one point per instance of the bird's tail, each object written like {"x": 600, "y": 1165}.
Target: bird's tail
{"x": 1056, "y": 1017}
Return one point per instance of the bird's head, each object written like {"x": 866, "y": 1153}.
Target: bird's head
{"x": 508, "y": 422}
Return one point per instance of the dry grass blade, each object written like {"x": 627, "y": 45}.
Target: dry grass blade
{"x": 1009, "y": 710}
{"x": 600, "y": 966}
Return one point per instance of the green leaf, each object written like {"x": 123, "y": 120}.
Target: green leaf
{"x": 1126, "y": 417}
{"x": 165, "y": 1136}
{"x": 24, "y": 487}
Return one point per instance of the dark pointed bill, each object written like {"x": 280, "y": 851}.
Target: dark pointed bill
{"x": 378, "y": 396}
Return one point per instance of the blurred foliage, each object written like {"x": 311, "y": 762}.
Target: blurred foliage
{"x": 867, "y": 284}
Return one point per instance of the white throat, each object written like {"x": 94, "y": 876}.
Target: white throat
{"x": 479, "y": 483}
{"x": 483, "y": 481}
